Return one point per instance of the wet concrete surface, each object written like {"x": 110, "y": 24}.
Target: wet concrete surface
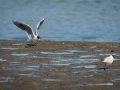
{"x": 58, "y": 65}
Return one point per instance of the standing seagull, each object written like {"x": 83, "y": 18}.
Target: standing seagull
{"x": 29, "y": 31}
{"x": 108, "y": 61}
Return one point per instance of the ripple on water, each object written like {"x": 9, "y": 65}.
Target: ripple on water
{"x": 18, "y": 44}
{"x": 51, "y": 80}
{"x": 6, "y": 79}
{"x": 29, "y": 68}
{"x": 64, "y": 52}
{"x": 33, "y": 66}
{"x": 56, "y": 64}
{"x": 98, "y": 84}
{"x": 1, "y": 60}
{"x": 75, "y": 61}
{"x": 56, "y": 53}
{"x": 87, "y": 56}
{"x": 85, "y": 66}
{"x": 116, "y": 80}
{"x": 20, "y": 54}
{"x": 81, "y": 60}
{"x": 15, "y": 63}
{"x": 32, "y": 75}
{"x": 10, "y": 48}
{"x": 73, "y": 51}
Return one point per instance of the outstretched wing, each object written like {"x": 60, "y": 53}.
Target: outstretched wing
{"x": 26, "y": 28}
{"x": 38, "y": 25}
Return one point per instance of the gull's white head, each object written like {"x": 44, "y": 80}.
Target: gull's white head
{"x": 111, "y": 56}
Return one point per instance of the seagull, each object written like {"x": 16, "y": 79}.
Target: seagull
{"x": 29, "y": 31}
{"x": 108, "y": 61}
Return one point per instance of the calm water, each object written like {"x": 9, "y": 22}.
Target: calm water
{"x": 68, "y": 20}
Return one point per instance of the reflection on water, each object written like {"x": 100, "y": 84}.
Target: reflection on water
{"x": 98, "y": 84}
{"x": 10, "y": 48}
{"x": 57, "y": 64}
{"x": 65, "y": 52}
{"x": 21, "y": 54}
{"x": 86, "y": 56}
{"x": 6, "y": 79}
{"x": 33, "y": 66}
{"x": 56, "y": 53}
{"x": 85, "y": 66}
{"x": 2, "y": 60}
{"x": 14, "y": 63}
{"x": 71, "y": 20}
{"x": 51, "y": 80}
{"x": 116, "y": 80}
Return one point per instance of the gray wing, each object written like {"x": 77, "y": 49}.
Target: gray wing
{"x": 38, "y": 25}
{"x": 26, "y": 28}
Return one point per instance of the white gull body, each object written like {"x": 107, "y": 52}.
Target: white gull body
{"x": 108, "y": 60}
{"x": 29, "y": 31}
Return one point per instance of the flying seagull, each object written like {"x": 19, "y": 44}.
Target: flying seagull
{"x": 108, "y": 61}
{"x": 29, "y": 31}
